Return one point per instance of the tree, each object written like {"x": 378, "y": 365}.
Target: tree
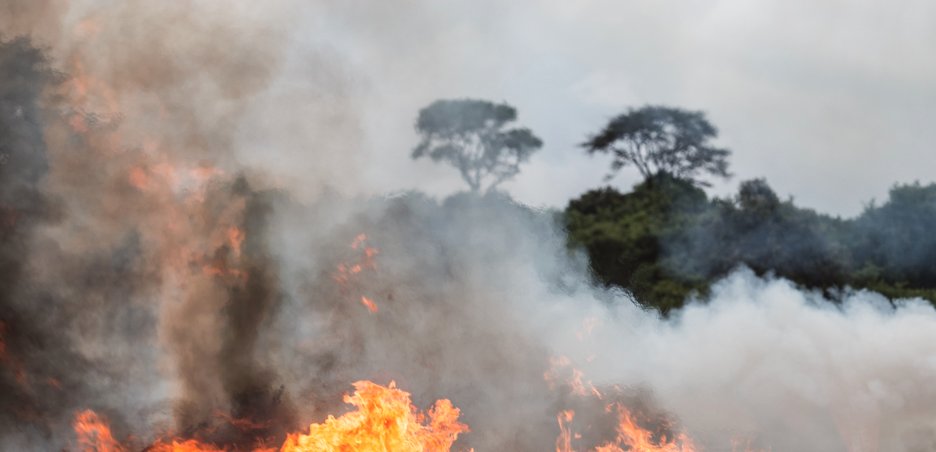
{"x": 471, "y": 136}
{"x": 658, "y": 139}
{"x": 625, "y": 236}
{"x": 897, "y": 236}
{"x": 755, "y": 195}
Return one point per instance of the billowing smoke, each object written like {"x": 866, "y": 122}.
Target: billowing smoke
{"x": 152, "y": 272}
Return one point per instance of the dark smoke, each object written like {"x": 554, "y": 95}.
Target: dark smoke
{"x": 33, "y": 390}
{"x": 126, "y": 289}
{"x": 77, "y": 320}
{"x": 240, "y": 301}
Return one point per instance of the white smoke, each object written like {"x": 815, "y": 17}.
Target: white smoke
{"x": 484, "y": 292}
{"x": 475, "y": 295}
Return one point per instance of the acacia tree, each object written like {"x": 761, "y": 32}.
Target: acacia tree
{"x": 657, "y": 139}
{"x": 471, "y": 135}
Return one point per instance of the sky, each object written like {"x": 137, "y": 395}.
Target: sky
{"x": 831, "y": 101}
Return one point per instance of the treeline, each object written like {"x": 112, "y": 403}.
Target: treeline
{"x": 666, "y": 240}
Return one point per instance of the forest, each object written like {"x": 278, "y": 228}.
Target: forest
{"x": 666, "y": 240}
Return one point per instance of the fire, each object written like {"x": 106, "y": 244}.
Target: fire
{"x": 221, "y": 271}
{"x": 638, "y": 439}
{"x": 575, "y": 379}
{"x": 384, "y": 420}
{"x": 369, "y": 304}
{"x": 348, "y": 272}
{"x": 94, "y": 435}
{"x": 358, "y": 241}
{"x": 564, "y": 441}
{"x": 183, "y": 446}
{"x": 630, "y": 436}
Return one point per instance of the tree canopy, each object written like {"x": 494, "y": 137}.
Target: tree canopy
{"x": 472, "y": 136}
{"x": 657, "y": 139}
{"x": 665, "y": 239}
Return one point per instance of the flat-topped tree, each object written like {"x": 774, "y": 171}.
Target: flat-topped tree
{"x": 472, "y": 136}
{"x": 657, "y": 139}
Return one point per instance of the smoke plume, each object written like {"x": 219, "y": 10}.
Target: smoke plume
{"x": 155, "y": 272}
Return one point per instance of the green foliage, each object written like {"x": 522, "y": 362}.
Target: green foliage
{"x": 666, "y": 239}
{"x": 757, "y": 230}
{"x": 622, "y": 235}
{"x": 657, "y": 139}
{"x": 895, "y": 242}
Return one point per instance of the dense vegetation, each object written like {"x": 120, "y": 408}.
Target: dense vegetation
{"x": 666, "y": 240}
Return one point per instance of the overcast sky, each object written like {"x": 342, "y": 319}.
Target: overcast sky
{"x": 831, "y": 101}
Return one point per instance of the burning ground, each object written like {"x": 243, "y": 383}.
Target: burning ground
{"x": 159, "y": 293}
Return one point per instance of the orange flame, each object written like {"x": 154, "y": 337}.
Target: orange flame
{"x": 564, "y": 441}
{"x": 94, "y": 435}
{"x": 349, "y": 272}
{"x": 183, "y": 446}
{"x": 367, "y": 302}
{"x": 630, "y": 436}
{"x": 384, "y": 420}
{"x": 560, "y": 365}
{"x": 638, "y": 439}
